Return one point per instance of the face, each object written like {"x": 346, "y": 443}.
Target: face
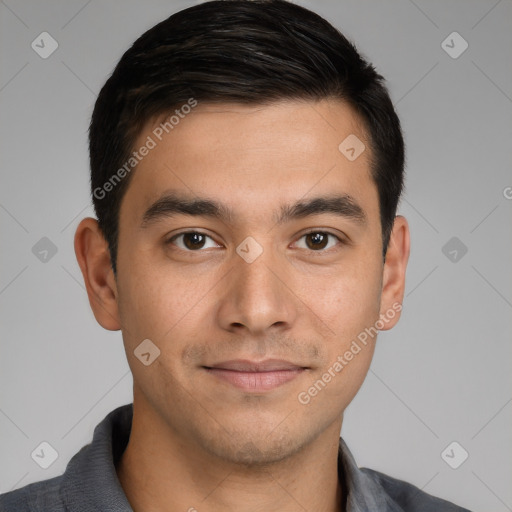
{"x": 250, "y": 254}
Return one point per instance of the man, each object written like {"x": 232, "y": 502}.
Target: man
{"x": 246, "y": 167}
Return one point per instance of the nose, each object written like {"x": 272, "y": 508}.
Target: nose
{"x": 258, "y": 296}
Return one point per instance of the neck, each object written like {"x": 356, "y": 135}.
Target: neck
{"x": 160, "y": 471}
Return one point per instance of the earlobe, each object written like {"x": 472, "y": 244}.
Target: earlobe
{"x": 93, "y": 257}
{"x": 395, "y": 266}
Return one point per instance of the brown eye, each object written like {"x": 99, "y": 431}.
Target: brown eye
{"x": 192, "y": 241}
{"x": 318, "y": 241}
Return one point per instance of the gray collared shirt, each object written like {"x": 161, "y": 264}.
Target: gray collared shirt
{"x": 90, "y": 483}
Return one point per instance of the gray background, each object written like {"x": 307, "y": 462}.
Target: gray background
{"x": 441, "y": 375}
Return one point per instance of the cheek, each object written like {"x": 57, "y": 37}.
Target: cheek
{"x": 349, "y": 300}
{"x": 348, "y": 351}
{"x": 158, "y": 304}
{"x": 349, "y": 306}
{"x": 331, "y": 388}
{"x": 349, "y": 348}
{"x": 161, "y": 310}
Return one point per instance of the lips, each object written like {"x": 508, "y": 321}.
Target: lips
{"x": 255, "y": 376}
{"x": 243, "y": 365}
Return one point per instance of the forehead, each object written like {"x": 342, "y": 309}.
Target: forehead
{"x": 252, "y": 156}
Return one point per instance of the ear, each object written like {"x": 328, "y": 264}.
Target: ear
{"x": 93, "y": 256}
{"x": 395, "y": 265}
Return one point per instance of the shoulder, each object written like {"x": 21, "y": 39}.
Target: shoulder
{"x": 89, "y": 482}
{"x": 409, "y": 497}
{"x": 36, "y": 497}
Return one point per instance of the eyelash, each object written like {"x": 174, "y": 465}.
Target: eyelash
{"x": 313, "y": 231}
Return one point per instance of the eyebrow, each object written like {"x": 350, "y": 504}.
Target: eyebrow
{"x": 172, "y": 204}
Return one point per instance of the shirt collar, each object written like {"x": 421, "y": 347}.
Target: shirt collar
{"x": 90, "y": 481}
{"x": 363, "y": 492}
{"x": 91, "y": 477}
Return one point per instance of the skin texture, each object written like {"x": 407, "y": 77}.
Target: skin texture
{"x": 198, "y": 441}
